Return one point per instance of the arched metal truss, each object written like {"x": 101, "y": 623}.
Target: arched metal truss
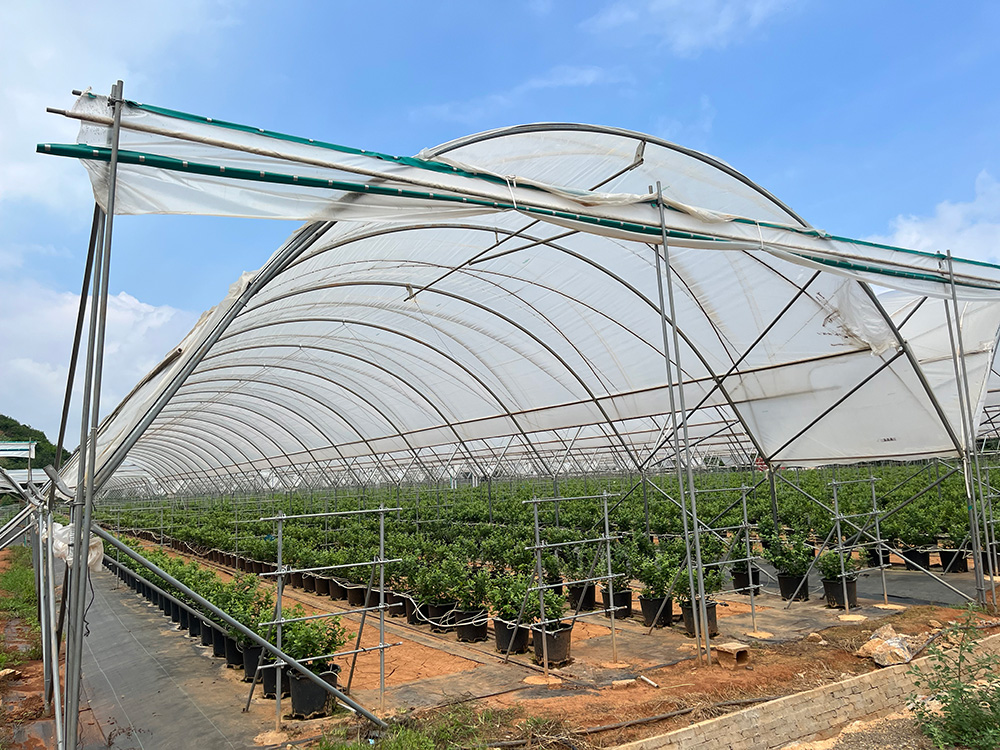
{"x": 472, "y": 344}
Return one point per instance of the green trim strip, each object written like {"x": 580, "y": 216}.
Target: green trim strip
{"x": 864, "y": 268}
{"x": 864, "y": 243}
{"x": 439, "y": 167}
{"x": 410, "y": 161}
{"x": 96, "y": 153}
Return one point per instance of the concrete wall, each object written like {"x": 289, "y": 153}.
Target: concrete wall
{"x": 819, "y": 712}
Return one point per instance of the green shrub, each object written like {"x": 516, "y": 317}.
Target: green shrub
{"x": 828, "y": 565}
{"x": 318, "y": 637}
{"x": 791, "y": 556}
{"x": 966, "y": 686}
{"x": 657, "y": 572}
{"x": 505, "y": 594}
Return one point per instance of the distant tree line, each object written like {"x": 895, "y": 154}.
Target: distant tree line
{"x": 45, "y": 452}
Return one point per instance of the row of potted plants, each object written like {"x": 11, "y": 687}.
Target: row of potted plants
{"x": 245, "y": 600}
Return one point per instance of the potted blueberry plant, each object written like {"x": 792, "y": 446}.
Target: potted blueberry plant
{"x": 834, "y": 581}
{"x": 306, "y": 639}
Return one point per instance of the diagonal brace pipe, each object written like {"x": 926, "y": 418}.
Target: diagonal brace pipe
{"x": 203, "y": 602}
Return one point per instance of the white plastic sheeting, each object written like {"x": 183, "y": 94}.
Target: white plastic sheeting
{"x": 447, "y": 344}
{"x": 62, "y": 547}
{"x": 172, "y": 162}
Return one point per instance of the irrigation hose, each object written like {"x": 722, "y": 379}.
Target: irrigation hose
{"x": 643, "y": 720}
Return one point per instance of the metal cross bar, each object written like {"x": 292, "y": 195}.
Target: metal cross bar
{"x": 562, "y": 499}
{"x": 332, "y": 513}
{"x": 202, "y": 601}
{"x": 543, "y": 545}
{"x": 286, "y": 571}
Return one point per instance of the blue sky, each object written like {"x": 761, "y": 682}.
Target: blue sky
{"x": 869, "y": 119}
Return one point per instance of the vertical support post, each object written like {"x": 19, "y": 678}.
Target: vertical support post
{"x": 611, "y": 580}
{"x": 40, "y": 562}
{"x": 750, "y": 565}
{"x": 699, "y": 568}
{"x": 645, "y": 501}
{"x": 87, "y": 456}
{"x": 775, "y": 518}
{"x": 540, "y": 575}
{"x": 53, "y": 636}
{"x": 878, "y": 543}
{"x": 968, "y": 434}
{"x": 840, "y": 547}
{"x": 279, "y": 665}
{"x": 489, "y": 495}
{"x": 675, "y": 437}
{"x": 381, "y": 603}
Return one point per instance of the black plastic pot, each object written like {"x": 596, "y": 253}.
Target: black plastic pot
{"x": 415, "y": 613}
{"x": 471, "y": 625}
{"x": 218, "y": 643}
{"x": 440, "y": 616}
{"x": 397, "y": 604}
{"x": 296, "y": 580}
{"x": 267, "y": 682}
{"x": 953, "y": 561}
{"x": 258, "y": 567}
{"x": 206, "y": 634}
{"x": 182, "y": 624}
{"x": 788, "y": 584}
{"x": 322, "y": 586}
{"x": 742, "y": 581}
{"x": 234, "y": 655}
{"x": 878, "y": 557}
{"x": 556, "y": 644}
{"x": 622, "y": 602}
{"x": 914, "y": 557}
{"x": 251, "y": 656}
{"x": 834, "y": 593}
{"x": 651, "y": 606}
{"x": 165, "y": 605}
{"x": 356, "y": 595}
{"x": 337, "y": 590}
{"x": 505, "y": 632}
{"x": 687, "y": 615}
{"x": 308, "y": 582}
{"x": 586, "y": 592}
{"x": 194, "y": 626}
{"x": 984, "y": 558}
{"x": 175, "y": 611}
{"x": 309, "y": 699}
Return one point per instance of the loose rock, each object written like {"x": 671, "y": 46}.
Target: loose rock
{"x": 892, "y": 651}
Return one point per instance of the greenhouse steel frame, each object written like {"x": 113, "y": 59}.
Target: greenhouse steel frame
{"x": 497, "y": 315}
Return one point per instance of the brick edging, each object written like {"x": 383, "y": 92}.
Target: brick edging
{"x": 814, "y": 713}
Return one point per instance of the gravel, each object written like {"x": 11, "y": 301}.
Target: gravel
{"x": 898, "y": 734}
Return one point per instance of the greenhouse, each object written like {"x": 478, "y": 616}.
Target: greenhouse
{"x": 556, "y": 355}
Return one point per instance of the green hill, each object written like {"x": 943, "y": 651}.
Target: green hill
{"x": 45, "y": 452}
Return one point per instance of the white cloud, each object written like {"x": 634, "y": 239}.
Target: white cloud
{"x": 685, "y": 27}
{"x": 484, "y": 107}
{"x": 969, "y": 230}
{"x": 35, "y": 341}
{"x": 50, "y": 48}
